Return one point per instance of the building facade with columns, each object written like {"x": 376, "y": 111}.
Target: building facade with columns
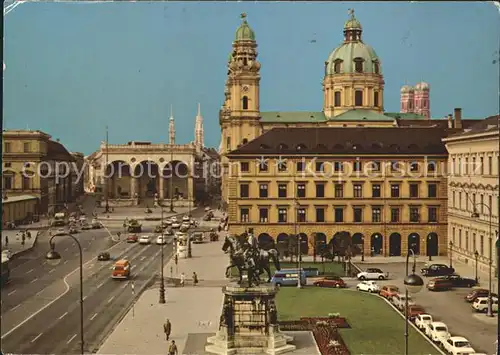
{"x": 473, "y": 193}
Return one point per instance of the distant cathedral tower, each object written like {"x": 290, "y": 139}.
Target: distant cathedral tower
{"x": 171, "y": 127}
{"x": 199, "y": 139}
{"x": 416, "y": 99}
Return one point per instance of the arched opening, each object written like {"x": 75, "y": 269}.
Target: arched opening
{"x": 245, "y": 141}
{"x": 304, "y": 245}
{"x": 357, "y": 239}
{"x": 282, "y": 238}
{"x": 376, "y": 243}
{"x": 282, "y": 244}
{"x": 266, "y": 242}
{"x": 245, "y": 102}
{"x": 146, "y": 178}
{"x": 119, "y": 179}
{"x": 175, "y": 180}
{"x": 414, "y": 243}
{"x": 319, "y": 243}
{"x": 395, "y": 244}
{"x": 432, "y": 244}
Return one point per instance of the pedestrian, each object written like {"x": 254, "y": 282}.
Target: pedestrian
{"x": 195, "y": 279}
{"x": 28, "y": 233}
{"x": 6, "y": 241}
{"x": 23, "y": 239}
{"x": 183, "y": 279}
{"x": 167, "y": 328}
{"x": 172, "y": 349}
{"x": 220, "y": 228}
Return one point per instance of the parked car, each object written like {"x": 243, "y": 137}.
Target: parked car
{"x": 158, "y": 229}
{"x": 168, "y": 231}
{"x": 368, "y": 286}
{"x": 438, "y": 332}
{"x": 478, "y": 292}
{"x": 330, "y": 281}
{"x": 388, "y": 291}
{"x": 311, "y": 271}
{"x": 134, "y": 226}
{"x": 422, "y": 321}
{"x": 132, "y": 238}
{"x": 399, "y": 301}
{"x": 83, "y": 219}
{"x": 104, "y": 256}
{"x": 197, "y": 237}
{"x": 86, "y": 226}
{"x": 481, "y": 304}
{"x": 185, "y": 225}
{"x": 372, "y": 274}
{"x": 144, "y": 239}
{"x": 168, "y": 222}
{"x": 439, "y": 284}
{"x": 437, "y": 270}
{"x": 457, "y": 346}
{"x": 97, "y": 225}
{"x": 173, "y": 219}
{"x": 73, "y": 230}
{"x": 161, "y": 240}
{"x": 185, "y": 218}
{"x": 176, "y": 224}
{"x": 6, "y": 254}
{"x": 459, "y": 281}
{"x": 414, "y": 311}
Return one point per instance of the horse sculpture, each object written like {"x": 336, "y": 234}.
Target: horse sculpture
{"x": 254, "y": 262}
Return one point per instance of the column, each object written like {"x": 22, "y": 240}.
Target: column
{"x": 133, "y": 184}
{"x": 190, "y": 190}
{"x": 162, "y": 188}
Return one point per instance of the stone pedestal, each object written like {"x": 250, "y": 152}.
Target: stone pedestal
{"x": 248, "y": 323}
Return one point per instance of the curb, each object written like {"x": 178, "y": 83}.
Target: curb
{"x": 24, "y": 251}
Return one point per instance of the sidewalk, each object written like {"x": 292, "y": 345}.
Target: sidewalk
{"x": 190, "y": 309}
{"x": 15, "y": 245}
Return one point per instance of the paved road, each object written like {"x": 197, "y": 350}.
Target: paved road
{"x": 448, "y": 307}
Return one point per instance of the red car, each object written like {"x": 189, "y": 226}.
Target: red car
{"x": 330, "y": 281}
{"x": 132, "y": 238}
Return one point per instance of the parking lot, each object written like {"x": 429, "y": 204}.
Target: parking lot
{"x": 448, "y": 307}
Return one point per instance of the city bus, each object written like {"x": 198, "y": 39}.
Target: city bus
{"x": 5, "y": 271}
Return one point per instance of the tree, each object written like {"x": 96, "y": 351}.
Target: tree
{"x": 292, "y": 246}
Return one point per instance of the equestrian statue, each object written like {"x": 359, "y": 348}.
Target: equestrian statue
{"x": 245, "y": 255}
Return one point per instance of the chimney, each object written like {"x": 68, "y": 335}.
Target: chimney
{"x": 450, "y": 121}
{"x": 458, "y": 118}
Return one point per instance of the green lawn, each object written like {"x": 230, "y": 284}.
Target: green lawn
{"x": 376, "y": 327}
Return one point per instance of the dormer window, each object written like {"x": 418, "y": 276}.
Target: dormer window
{"x": 376, "y": 67}
{"x": 301, "y": 147}
{"x": 375, "y": 98}
{"x": 337, "y": 66}
{"x": 358, "y": 65}
{"x": 282, "y": 146}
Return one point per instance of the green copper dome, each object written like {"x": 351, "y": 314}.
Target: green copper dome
{"x": 352, "y": 23}
{"x": 347, "y": 53}
{"x": 244, "y": 32}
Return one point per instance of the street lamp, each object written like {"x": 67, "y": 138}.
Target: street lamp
{"x": 429, "y": 249}
{"x": 54, "y": 258}
{"x": 476, "y": 256}
{"x": 172, "y": 180}
{"x": 413, "y": 284}
{"x": 363, "y": 248}
{"x": 451, "y": 253}
{"x": 162, "y": 282}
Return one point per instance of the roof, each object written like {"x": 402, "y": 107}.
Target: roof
{"x": 292, "y": 117}
{"x": 489, "y": 124}
{"x": 12, "y": 199}
{"x": 56, "y": 151}
{"x": 405, "y": 115}
{"x": 340, "y": 140}
{"x": 362, "y": 115}
{"x": 244, "y": 32}
{"x": 433, "y": 122}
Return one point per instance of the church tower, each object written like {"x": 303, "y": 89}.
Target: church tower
{"x": 407, "y": 99}
{"x": 422, "y": 99}
{"x": 199, "y": 139}
{"x": 353, "y": 74}
{"x": 171, "y": 128}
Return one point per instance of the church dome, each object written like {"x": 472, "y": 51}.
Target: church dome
{"x": 352, "y": 24}
{"x": 244, "y": 32}
{"x": 406, "y": 88}
{"x": 422, "y": 86}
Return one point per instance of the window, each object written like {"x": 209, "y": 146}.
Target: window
{"x": 432, "y": 213}
{"x": 245, "y": 102}
{"x": 460, "y": 238}
{"x": 300, "y": 166}
{"x": 376, "y": 67}
{"x": 282, "y": 165}
{"x": 9, "y": 165}
{"x": 375, "y": 99}
{"x": 339, "y": 214}
{"x": 244, "y": 190}
{"x": 358, "y": 214}
{"x": 338, "y": 166}
{"x": 320, "y": 166}
{"x": 320, "y": 190}
{"x": 228, "y": 143}
{"x": 27, "y": 147}
{"x": 474, "y": 165}
{"x": 336, "y": 66}
{"x": 244, "y": 167}
{"x": 481, "y": 245}
{"x": 358, "y": 98}
{"x": 8, "y": 181}
{"x": 263, "y": 192}
{"x": 376, "y": 190}
{"x": 376, "y": 214}
{"x": 431, "y": 166}
{"x": 466, "y": 168}
{"x": 414, "y": 166}
{"x": 466, "y": 240}
{"x": 394, "y": 190}
{"x": 413, "y": 190}
{"x": 339, "y": 190}
{"x": 301, "y": 214}
{"x": 453, "y": 200}
{"x": 7, "y": 148}
{"x": 490, "y": 166}
{"x": 490, "y": 203}
{"x": 282, "y": 215}
{"x": 482, "y": 204}
{"x": 336, "y": 99}
{"x": 459, "y": 200}
{"x": 244, "y": 215}
{"x": 263, "y": 166}
{"x": 358, "y": 65}
{"x": 414, "y": 214}
{"x": 432, "y": 191}
{"x": 481, "y": 167}
{"x": 301, "y": 190}
{"x": 395, "y": 215}
{"x": 358, "y": 190}
{"x": 263, "y": 215}
{"x": 357, "y": 165}
{"x": 282, "y": 190}
{"x": 320, "y": 214}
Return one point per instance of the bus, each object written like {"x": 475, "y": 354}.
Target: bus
{"x": 5, "y": 271}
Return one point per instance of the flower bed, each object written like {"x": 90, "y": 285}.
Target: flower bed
{"x": 295, "y": 325}
{"x": 339, "y": 322}
{"x": 329, "y": 340}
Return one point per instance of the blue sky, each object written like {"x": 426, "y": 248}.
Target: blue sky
{"x": 74, "y": 68}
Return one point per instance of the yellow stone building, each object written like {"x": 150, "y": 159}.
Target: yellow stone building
{"x": 383, "y": 210}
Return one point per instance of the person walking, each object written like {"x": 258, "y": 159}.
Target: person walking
{"x": 195, "y": 279}
{"x": 183, "y": 279}
{"x": 23, "y": 239}
{"x": 6, "y": 241}
{"x": 167, "y": 329}
{"x": 172, "y": 349}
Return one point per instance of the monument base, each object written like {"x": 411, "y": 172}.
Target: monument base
{"x": 252, "y": 329}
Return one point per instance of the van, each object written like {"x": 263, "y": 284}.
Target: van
{"x": 121, "y": 269}
{"x": 289, "y": 278}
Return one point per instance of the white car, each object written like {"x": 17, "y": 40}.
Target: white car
{"x": 161, "y": 240}
{"x": 422, "y": 321}
{"x": 481, "y": 304}
{"x": 176, "y": 225}
{"x": 185, "y": 225}
{"x": 372, "y": 274}
{"x": 60, "y": 231}
{"x": 438, "y": 332}
{"x": 168, "y": 222}
{"x": 185, "y": 218}
{"x": 457, "y": 346}
{"x": 173, "y": 219}
{"x": 6, "y": 254}
{"x": 368, "y": 286}
{"x": 192, "y": 222}
{"x": 399, "y": 301}
{"x": 83, "y": 219}
{"x": 144, "y": 239}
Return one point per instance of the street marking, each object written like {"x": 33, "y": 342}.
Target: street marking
{"x": 111, "y": 299}
{"x": 84, "y": 297}
{"x": 85, "y": 249}
{"x": 39, "y": 292}
{"x": 36, "y": 338}
{"x": 102, "y": 283}
{"x": 66, "y": 249}
{"x": 71, "y": 339}
{"x": 142, "y": 258}
{"x": 125, "y": 285}
{"x": 30, "y": 271}
{"x": 44, "y": 263}
{"x": 92, "y": 318}
{"x": 65, "y": 262}
{"x": 16, "y": 307}
{"x": 36, "y": 278}
{"x": 64, "y": 315}
{"x": 125, "y": 257}
{"x": 11, "y": 292}
{"x": 51, "y": 271}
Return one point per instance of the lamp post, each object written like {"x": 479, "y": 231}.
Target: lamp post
{"x": 54, "y": 258}
{"x": 106, "y": 209}
{"x": 172, "y": 180}
{"x": 413, "y": 284}
{"x": 429, "y": 249}
{"x": 162, "y": 282}
{"x": 475, "y": 214}
{"x": 451, "y": 253}
{"x": 476, "y": 256}
{"x": 363, "y": 248}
